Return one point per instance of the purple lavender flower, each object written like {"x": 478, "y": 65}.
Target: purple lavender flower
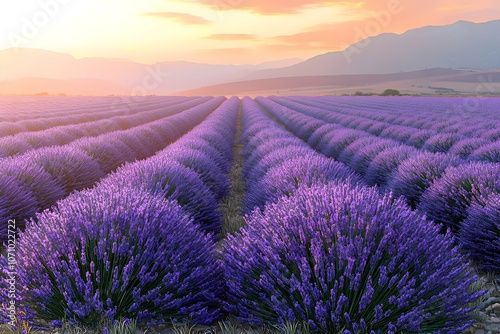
{"x": 118, "y": 252}
{"x": 163, "y": 176}
{"x": 43, "y": 187}
{"x": 419, "y": 138}
{"x": 16, "y": 203}
{"x": 487, "y": 153}
{"x": 361, "y": 159}
{"x": 417, "y": 173}
{"x": 352, "y": 149}
{"x": 441, "y": 142}
{"x": 318, "y": 256}
{"x": 285, "y": 178}
{"x": 10, "y": 146}
{"x": 109, "y": 154}
{"x": 69, "y": 166}
{"x": 385, "y": 162}
{"x": 320, "y": 133}
{"x": 447, "y": 200}
{"x": 203, "y": 165}
{"x": 480, "y": 234}
{"x": 332, "y": 146}
{"x": 465, "y": 147}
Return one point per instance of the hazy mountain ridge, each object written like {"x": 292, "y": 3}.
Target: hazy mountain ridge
{"x": 30, "y": 67}
{"x": 459, "y": 45}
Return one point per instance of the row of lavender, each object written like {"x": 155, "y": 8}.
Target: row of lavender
{"x": 141, "y": 244}
{"x": 403, "y": 115}
{"x": 475, "y": 140}
{"x": 57, "y": 135}
{"x": 35, "y": 180}
{"x": 79, "y": 113}
{"x": 332, "y": 254}
{"x": 19, "y": 108}
{"x": 443, "y": 186}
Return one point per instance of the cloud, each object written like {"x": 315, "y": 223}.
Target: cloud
{"x": 180, "y": 17}
{"x": 268, "y": 7}
{"x": 233, "y": 37}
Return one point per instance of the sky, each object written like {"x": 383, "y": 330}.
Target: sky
{"x": 219, "y": 31}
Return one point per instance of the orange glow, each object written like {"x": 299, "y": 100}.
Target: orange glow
{"x": 219, "y": 31}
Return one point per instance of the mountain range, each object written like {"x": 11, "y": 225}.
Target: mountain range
{"x": 462, "y": 45}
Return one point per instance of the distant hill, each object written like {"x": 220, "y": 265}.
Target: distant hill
{"x": 462, "y": 45}
{"x": 126, "y": 76}
{"x": 459, "y": 45}
{"x": 431, "y": 81}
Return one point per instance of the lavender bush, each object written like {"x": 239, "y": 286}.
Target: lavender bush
{"x": 117, "y": 253}
{"x": 339, "y": 141}
{"x": 488, "y": 153}
{"x": 320, "y": 133}
{"x": 447, "y": 200}
{"x": 383, "y": 164}
{"x": 419, "y": 138}
{"x": 352, "y": 149}
{"x": 417, "y": 173}
{"x": 343, "y": 259}
{"x": 465, "y": 147}
{"x": 10, "y": 146}
{"x": 42, "y": 186}
{"x": 361, "y": 159}
{"x": 109, "y": 154}
{"x": 480, "y": 234}
{"x": 204, "y": 166}
{"x": 285, "y": 178}
{"x": 265, "y": 148}
{"x": 202, "y": 146}
{"x": 274, "y": 158}
{"x": 167, "y": 178}
{"x": 16, "y": 202}
{"x": 136, "y": 148}
{"x": 441, "y": 142}
{"x": 69, "y": 166}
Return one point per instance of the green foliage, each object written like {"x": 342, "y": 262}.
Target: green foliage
{"x": 360, "y": 93}
{"x": 391, "y": 92}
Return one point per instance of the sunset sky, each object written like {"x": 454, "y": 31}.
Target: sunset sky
{"x": 219, "y": 31}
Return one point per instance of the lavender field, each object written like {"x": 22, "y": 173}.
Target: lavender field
{"x": 274, "y": 214}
